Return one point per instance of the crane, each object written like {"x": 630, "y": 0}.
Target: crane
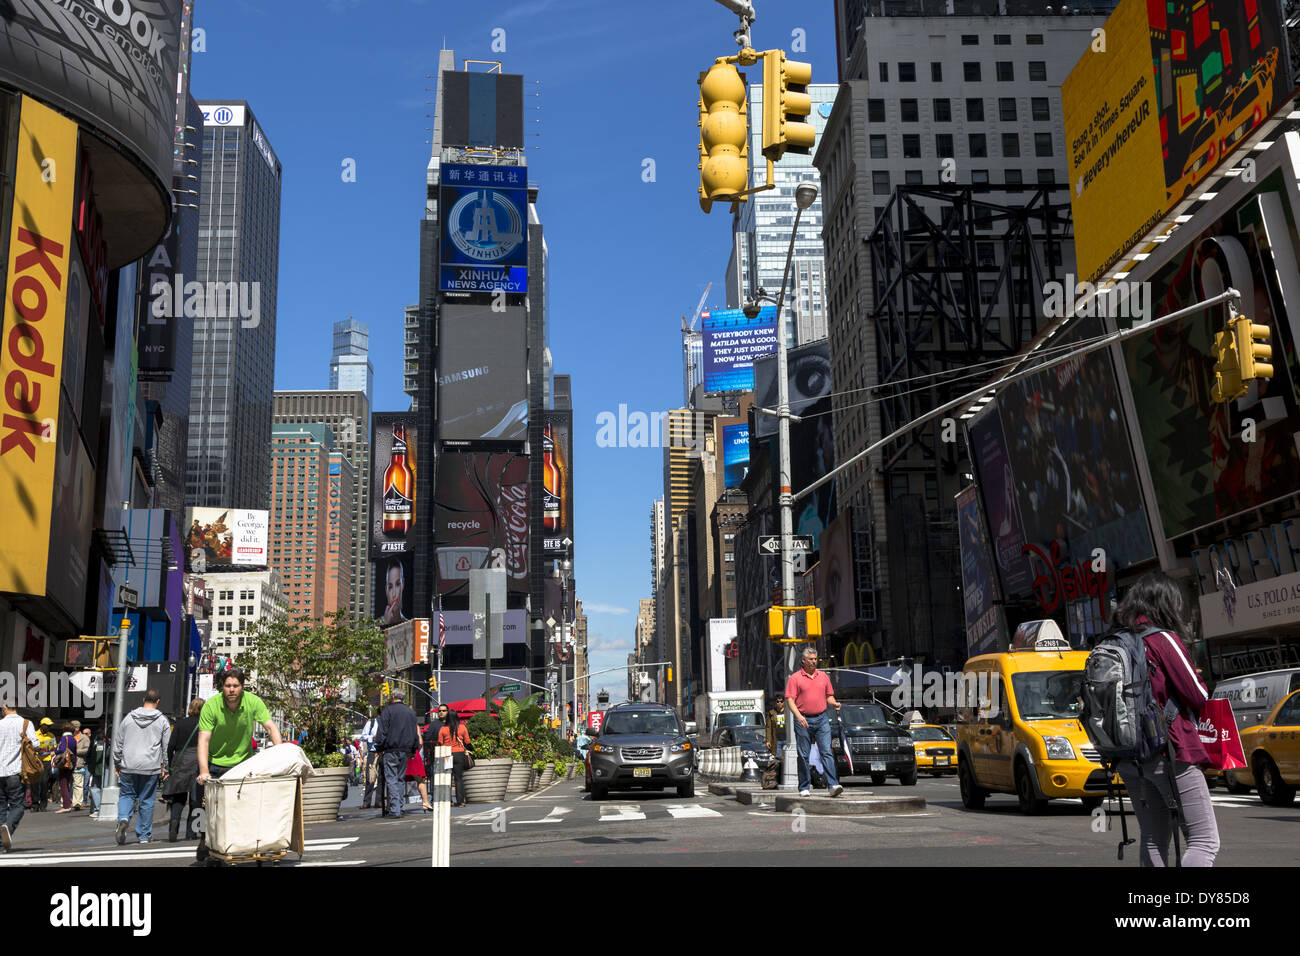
{"x": 698, "y": 309}
{"x": 688, "y": 335}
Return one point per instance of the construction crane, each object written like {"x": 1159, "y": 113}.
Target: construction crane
{"x": 688, "y": 337}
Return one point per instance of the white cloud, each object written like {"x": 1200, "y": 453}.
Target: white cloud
{"x": 603, "y": 609}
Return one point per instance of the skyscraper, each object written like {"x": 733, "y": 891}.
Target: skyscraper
{"x": 234, "y": 325}
{"x": 350, "y": 368}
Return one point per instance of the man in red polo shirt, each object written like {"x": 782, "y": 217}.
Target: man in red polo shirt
{"x": 808, "y": 693}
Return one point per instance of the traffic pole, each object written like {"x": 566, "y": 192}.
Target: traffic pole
{"x": 441, "y": 797}
{"x": 109, "y": 792}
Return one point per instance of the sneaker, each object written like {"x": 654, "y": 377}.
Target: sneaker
{"x": 6, "y": 837}
{"x": 805, "y": 793}
{"x": 145, "y": 842}
{"x": 836, "y": 790}
{"x": 119, "y": 836}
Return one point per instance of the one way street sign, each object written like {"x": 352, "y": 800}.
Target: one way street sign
{"x": 799, "y": 544}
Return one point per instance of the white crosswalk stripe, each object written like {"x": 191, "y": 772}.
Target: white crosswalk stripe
{"x": 619, "y": 812}
{"x": 691, "y": 812}
{"x": 140, "y": 854}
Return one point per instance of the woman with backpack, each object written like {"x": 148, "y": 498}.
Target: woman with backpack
{"x": 64, "y": 762}
{"x": 1153, "y": 609}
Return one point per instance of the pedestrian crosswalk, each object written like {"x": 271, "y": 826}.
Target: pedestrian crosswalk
{"x": 516, "y": 815}
{"x": 150, "y": 855}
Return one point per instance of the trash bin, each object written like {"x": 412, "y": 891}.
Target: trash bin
{"x": 252, "y": 817}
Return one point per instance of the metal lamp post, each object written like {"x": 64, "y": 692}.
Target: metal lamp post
{"x": 563, "y": 573}
{"x": 804, "y": 196}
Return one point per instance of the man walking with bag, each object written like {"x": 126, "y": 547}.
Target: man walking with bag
{"x": 396, "y": 739}
{"x": 140, "y": 755}
{"x": 13, "y": 729}
{"x": 808, "y": 693}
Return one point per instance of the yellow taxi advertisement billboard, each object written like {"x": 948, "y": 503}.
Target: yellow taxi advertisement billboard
{"x": 1165, "y": 91}
{"x": 31, "y": 340}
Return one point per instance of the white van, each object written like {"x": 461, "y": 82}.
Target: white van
{"x": 1253, "y": 696}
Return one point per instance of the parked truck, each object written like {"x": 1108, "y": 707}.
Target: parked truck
{"x": 731, "y": 708}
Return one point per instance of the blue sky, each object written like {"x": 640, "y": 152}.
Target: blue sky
{"x": 616, "y": 83}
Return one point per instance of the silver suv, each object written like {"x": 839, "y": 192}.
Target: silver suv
{"x": 642, "y": 747}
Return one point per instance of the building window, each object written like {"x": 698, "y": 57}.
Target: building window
{"x": 936, "y": 72}
{"x": 1014, "y": 177}
{"x": 907, "y": 72}
{"x": 970, "y": 39}
{"x": 1041, "y": 111}
{"x": 943, "y": 111}
{"x": 988, "y": 291}
{"x": 1002, "y": 39}
{"x": 911, "y": 145}
{"x": 932, "y": 487}
{"x": 979, "y": 177}
{"x": 880, "y": 182}
{"x": 1042, "y": 144}
{"x": 897, "y": 485}
{"x": 1034, "y": 39}
{"x": 1006, "y": 71}
{"x": 884, "y": 72}
{"x": 975, "y": 111}
{"x": 943, "y": 145}
{"x": 879, "y": 147}
{"x": 875, "y": 111}
{"x": 1007, "y": 109}
{"x": 914, "y": 177}
{"x": 1046, "y": 177}
{"x": 971, "y": 71}
{"x": 978, "y": 147}
{"x": 1038, "y": 71}
{"x": 909, "y": 111}
{"x": 1011, "y": 144}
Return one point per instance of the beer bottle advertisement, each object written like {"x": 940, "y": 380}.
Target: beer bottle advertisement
{"x": 552, "y": 484}
{"x": 393, "y": 484}
{"x": 557, "y": 480}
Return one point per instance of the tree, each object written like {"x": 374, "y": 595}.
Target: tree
{"x": 309, "y": 670}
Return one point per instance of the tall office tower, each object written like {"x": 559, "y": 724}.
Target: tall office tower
{"x": 683, "y": 440}
{"x": 312, "y": 529}
{"x": 347, "y": 415}
{"x": 411, "y": 352}
{"x": 761, "y": 230}
{"x": 943, "y": 167}
{"x": 234, "y": 337}
{"x": 692, "y": 362}
{"x": 350, "y": 368}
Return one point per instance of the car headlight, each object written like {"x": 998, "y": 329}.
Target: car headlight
{"x": 1058, "y": 748}
{"x": 682, "y": 747}
{"x": 603, "y": 748}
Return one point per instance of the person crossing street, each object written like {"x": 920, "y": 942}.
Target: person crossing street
{"x": 808, "y": 694}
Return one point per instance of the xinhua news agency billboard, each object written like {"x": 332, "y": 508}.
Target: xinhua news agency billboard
{"x": 732, "y": 342}
{"x": 484, "y": 228}
{"x": 1153, "y": 106}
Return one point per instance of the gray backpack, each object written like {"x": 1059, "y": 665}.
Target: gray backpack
{"x": 1120, "y": 714}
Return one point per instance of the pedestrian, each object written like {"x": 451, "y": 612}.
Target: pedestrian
{"x": 370, "y": 756}
{"x": 226, "y": 723}
{"x": 776, "y": 726}
{"x": 140, "y": 755}
{"x": 64, "y": 763}
{"x": 1155, "y": 601}
{"x": 396, "y": 739}
{"x": 81, "y": 780}
{"x": 181, "y": 792}
{"x": 455, "y": 735}
{"x": 40, "y": 792}
{"x": 415, "y": 771}
{"x": 808, "y": 693}
{"x": 13, "y": 729}
{"x": 95, "y": 770}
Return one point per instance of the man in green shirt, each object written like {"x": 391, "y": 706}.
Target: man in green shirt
{"x": 226, "y": 725}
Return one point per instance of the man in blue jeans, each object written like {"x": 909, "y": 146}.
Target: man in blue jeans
{"x": 808, "y": 693}
{"x": 396, "y": 738}
{"x": 140, "y": 755}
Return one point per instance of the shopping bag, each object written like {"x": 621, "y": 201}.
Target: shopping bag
{"x": 1218, "y": 732}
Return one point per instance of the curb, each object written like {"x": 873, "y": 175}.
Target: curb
{"x": 839, "y": 806}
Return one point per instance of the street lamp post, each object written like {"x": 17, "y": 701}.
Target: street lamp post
{"x": 804, "y": 196}
{"x": 563, "y": 573}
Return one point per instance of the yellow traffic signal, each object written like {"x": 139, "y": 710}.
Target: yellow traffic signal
{"x": 1249, "y": 351}
{"x": 670, "y": 675}
{"x": 724, "y": 135}
{"x": 383, "y": 690}
{"x": 786, "y": 104}
{"x": 1227, "y": 369}
{"x": 775, "y": 622}
{"x": 813, "y": 620}
{"x": 433, "y": 683}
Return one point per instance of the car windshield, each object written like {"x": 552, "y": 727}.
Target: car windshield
{"x": 1041, "y": 695}
{"x": 749, "y": 737}
{"x": 739, "y": 720}
{"x": 864, "y": 715}
{"x": 640, "y": 722}
{"x": 929, "y": 733}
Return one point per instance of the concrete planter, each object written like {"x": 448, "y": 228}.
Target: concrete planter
{"x": 486, "y": 783}
{"x": 548, "y": 775}
{"x": 322, "y": 793}
{"x": 521, "y": 775}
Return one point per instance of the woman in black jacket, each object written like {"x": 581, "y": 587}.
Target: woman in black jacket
{"x": 183, "y": 758}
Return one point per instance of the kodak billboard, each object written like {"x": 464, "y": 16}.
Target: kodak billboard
{"x": 31, "y": 341}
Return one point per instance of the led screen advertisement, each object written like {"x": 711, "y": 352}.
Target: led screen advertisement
{"x": 1150, "y": 111}
{"x": 988, "y": 452}
{"x": 483, "y": 373}
{"x": 557, "y": 481}
{"x": 735, "y": 454}
{"x": 481, "y": 518}
{"x": 731, "y": 344}
{"x": 225, "y": 539}
{"x": 394, "y": 589}
{"x": 808, "y": 380}
{"x": 1209, "y": 461}
{"x": 812, "y": 456}
{"x": 394, "y": 464}
{"x": 983, "y": 616}
{"x": 484, "y": 228}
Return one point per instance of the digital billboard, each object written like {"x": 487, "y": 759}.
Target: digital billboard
{"x": 484, "y": 228}
{"x": 394, "y": 589}
{"x": 835, "y": 580}
{"x": 808, "y": 380}
{"x": 31, "y": 351}
{"x": 394, "y": 464}
{"x": 731, "y": 344}
{"x": 225, "y": 539}
{"x": 557, "y": 481}
{"x": 481, "y": 518}
{"x": 735, "y": 454}
{"x": 1155, "y": 104}
{"x": 812, "y": 456}
{"x": 997, "y": 485}
{"x": 460, "y": 628}
{"x": 483, "y": 373}
{"x": 1209, "y": 461}
{"x": 985, "y": 630}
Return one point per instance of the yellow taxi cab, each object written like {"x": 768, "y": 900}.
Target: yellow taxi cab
{"x": 1021, "y": 732}
{"x": 936, "y": 751}
{"x": 1272, "y": 751}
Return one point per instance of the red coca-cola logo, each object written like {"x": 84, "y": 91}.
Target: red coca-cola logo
{"x": 513, "y": 501}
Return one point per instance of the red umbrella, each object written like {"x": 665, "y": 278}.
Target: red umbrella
{"x": 467, "y": 708}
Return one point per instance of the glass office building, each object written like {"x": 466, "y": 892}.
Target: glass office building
{"x": 350, "y": 368}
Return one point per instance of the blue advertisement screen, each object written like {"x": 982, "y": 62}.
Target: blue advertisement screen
{"x": 731, "y": 343}
{"x": 484, "y": 228}
{"x": 735, "y": 453}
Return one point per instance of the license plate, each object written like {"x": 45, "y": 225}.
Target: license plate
{"x": 877, "y": 766}
{"x": 640, "y": 771}
{"x": 941, "y": 761}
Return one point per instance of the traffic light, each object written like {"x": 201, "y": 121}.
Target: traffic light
{"x": 384, "y": 691}
{"x": 433, "y": 683}
{"x": 775, "y": 622}
{"x": 670, "y": 675}
{"x": 1249, "y": 351}
{"x": 1227, "y": 369}
{"x": 786, "y": 104}
{"x": 724, "y": 135}
{"x": 813, "y": 620}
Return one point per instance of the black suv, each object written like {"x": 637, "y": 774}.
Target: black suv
{"x": 642, "y": 747}
{"x": 878, "y": 746}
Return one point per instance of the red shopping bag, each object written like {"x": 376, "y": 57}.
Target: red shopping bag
{"x": 1218, "y": 730}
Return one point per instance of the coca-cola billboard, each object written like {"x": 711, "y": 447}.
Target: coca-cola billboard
{"x": 481, "y": 518}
